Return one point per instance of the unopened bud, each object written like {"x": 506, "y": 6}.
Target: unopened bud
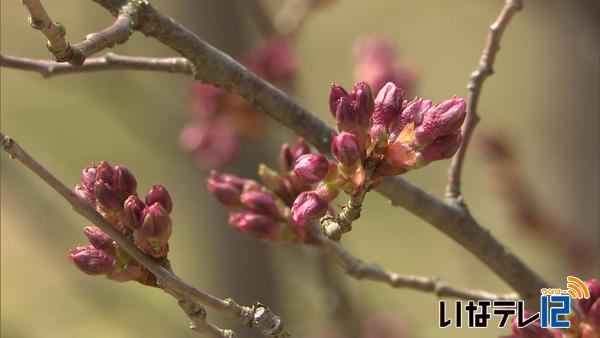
{"x": 337, "y": 92}
{"x": 584, "y": 305}
{"x": 92, "y": 261}
{"x": 412, "y": 113}
{"x": 442, "y": 148}
{"x": 346, "y": 150}
{"x": 124, "y": 182}
{"x": 308, "y": 205}
{"x": 154, "y": 234}
{"x": 260, "y": 202}
{"x": 362, "y": 102}
{"x": 312, "y": 167}
{"x": 388, "y": 104}
{"x": 99, "y": 239}
{"x": 443, "y": 119}
{"x": 159, "y": 194}
{"x": 254, "y": 225}
{"x": 106, "y": 197}
{"x": 345, "y": 116}
{"x": 226, "y": 193}
{"x": 300, "y": 148}
{"x": 133, "y": 209}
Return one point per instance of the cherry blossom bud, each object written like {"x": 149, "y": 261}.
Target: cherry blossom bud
{"x": 312, "y": 167}
{"x": 99, "y": 239}
{"x": 412, "y": 113}
{"x": 124, "y": 182}
{"x": 131, "y": 270}
{"x": 133, "y": 209}
{"x": 345, "y": 115}
{"x": 388, "y": 104}
{"x": 593, "y": 316}
{"x": 362, "y": 102}
{"x": 443, "y": 119}
{"x": 156, "y": 228}
{"x": 308, "y": 205}
{"x": 86, "y": 189}
{"x": 92, "y": 261}
{"x": 337, "y": 92}
{"x": 104, "y": 171}
{"x": 286, "y": 158}
{"x": 236, "y": 181}
{"x": 346, "y": 150}
{"x": 300, "y": 148}
{"x": 107, "y": 197}
{"x": 260, "y": 202}
{"x": 159, "y": 194}
{"x": 226, "y": 193}
{"x": 584, "y": 305}
{"x": 254, "y": 225}
{"x": 442, "y": 148}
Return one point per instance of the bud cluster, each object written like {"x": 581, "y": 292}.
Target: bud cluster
{"x": 113, "y": 191}
{"x": 278, "y": 209}
{"x": 376, "y": 137}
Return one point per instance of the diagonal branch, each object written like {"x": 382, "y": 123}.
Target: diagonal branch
{"x": 258, "y": 316}
{"x": 110, "y": 61}
{"x": 358, "y": 269}
{"x": 492, "y": 45}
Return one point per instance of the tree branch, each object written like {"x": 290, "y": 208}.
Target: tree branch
{"x": 358, "y": 269}
{"x": 110, "y": 61}
{"x": 76, "y": 54}
{"x": 257, "y": 316}
{"x": 492, "y": 45}
{"x": 217, "y": 68}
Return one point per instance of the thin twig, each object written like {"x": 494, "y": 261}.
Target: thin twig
{"x": 110, "y": 61}
{"x": 76, "y": 54}
{"x": 485, "y": 69}
{"x": 358, "y": 269}
{"x": 258, "y": 315}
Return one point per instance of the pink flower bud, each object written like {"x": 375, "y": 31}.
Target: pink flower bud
{"x": 308, "y": 205}
{"x": 345, "y": 116}
{"x": 286, "y": 158}
{"x": 124, "y": 182}
{"x": 129, "y": 271}
{"x": 154, "y": 234}
{"x": 584, "y": 305}
{"x": 227, "y": 178}
{"x": 442, "y": 148}
{"x": 104, "y": 171}
{"x": 99, "y": 239}
{"x": 260, "y": 202}
{"x": 593, "y": 316}
{"x": 226, "y": 193}
{"x": 412, "y": 113}
{"x": 159, "y": 194}
{"x": 362, "y": 102}
{"x": 133, "y": 209}
{"x": 337, "y": 92}
{"x": 346, "y": 150}
{"x": 312, "y": 167}
{"x": 92, "y": 261}
{"x": 388, "y": 104}
{"x": 107, "y": 197}
{"x": 254, "y": 225}
{"x": 300, "y": 148}
{"x": 443, "y": 119}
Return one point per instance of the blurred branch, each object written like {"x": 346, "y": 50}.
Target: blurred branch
{"x": 492, "y": 45}
{"x": 110, "y": 61}
{"x": 257, "y": 315}
{"x": 76, "y": 54}
{"x": 217, "y": 68}
{"x": 358, "y": 269}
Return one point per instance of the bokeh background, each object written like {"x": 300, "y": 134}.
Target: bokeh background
{"x": 544, "y": 98}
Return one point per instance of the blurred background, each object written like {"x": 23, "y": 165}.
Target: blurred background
{"x": 543, "y": 102}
